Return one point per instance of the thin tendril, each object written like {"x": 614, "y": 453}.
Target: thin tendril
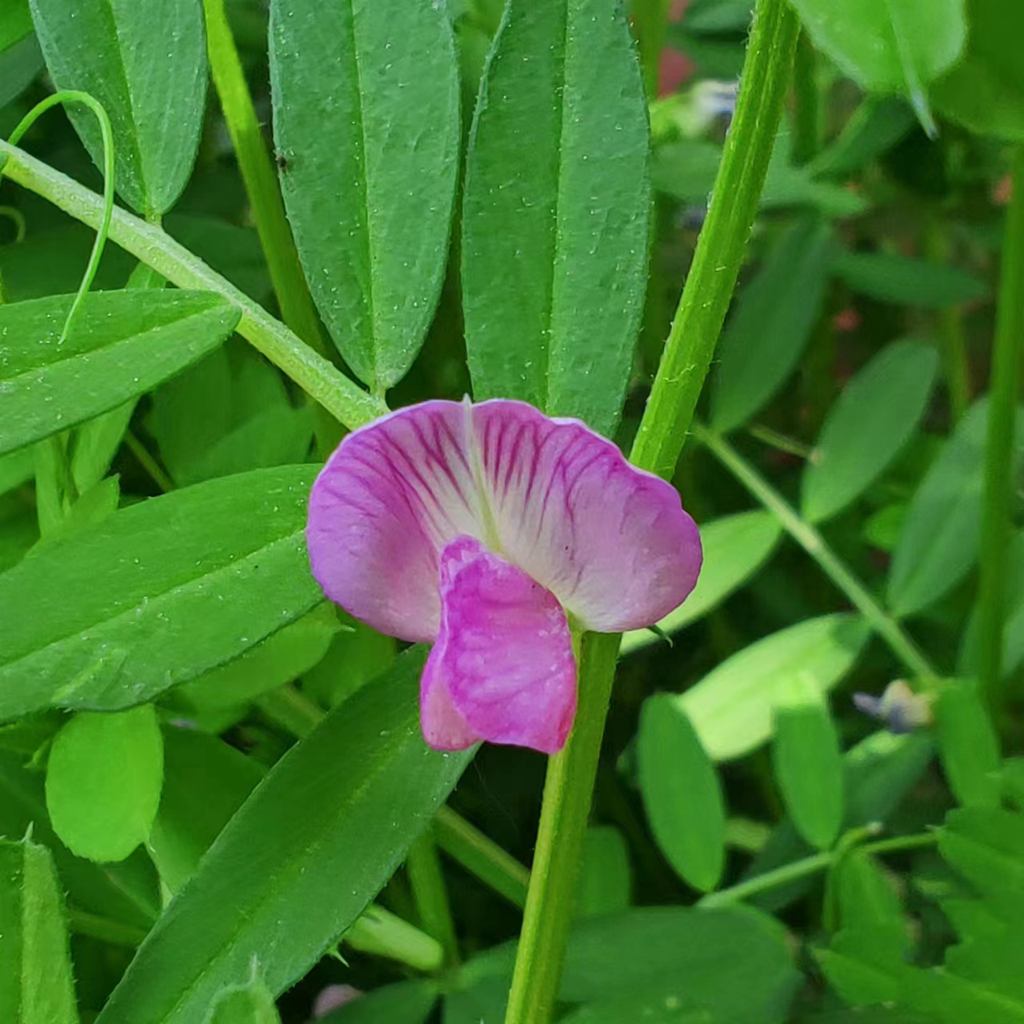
{"x": 17, "y": 218}
{"x": 107, "y": 135}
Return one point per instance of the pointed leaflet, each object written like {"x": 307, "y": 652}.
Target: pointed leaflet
{"x": 300, "y": 860}
{"x": 556, "y": 210}
{"x": 120, "y": 345}
{"x": 366, "y": 118}
{"x": 145, "y": 61}
{"x": 35, "y": 968}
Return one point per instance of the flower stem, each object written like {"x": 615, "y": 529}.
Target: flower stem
{"x": 815, "y": 545}
{"x": 320, "y": 379}
{"x": 677, "y": 385}
{"x": 426, "y": 878}
{"x": 723, "y": 240}
{"x": 1004, "y": 392}
{"x": 563, "y": 823}
{"x": 257, "y": 170}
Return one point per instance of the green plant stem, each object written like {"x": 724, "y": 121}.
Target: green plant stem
{"x": 291, "y": 709}
{"x": 677, "y": 385}
{"x": 551, "y": 896}
{"x": 769, "y": 880}
{"x": 426, "y": 879}
{"x": 381, "y": 933}
{"x": 481, "y": 857}
{"x": 81, "y": 922}
{"x": 997, "y": 497}
{"x": 260, "y": 181}
{"x": 780, "y": 442}
{"x": 897, "y": 844}
{"x": 806, "y": 102}
{"x": 143, "y": 457}
{"x": 320, "y": 379}
{"x": 814, "y": 544}
{"x": 650, "y": 21}
{"x": 723, "y": 239}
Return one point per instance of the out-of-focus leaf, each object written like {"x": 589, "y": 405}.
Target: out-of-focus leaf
{"x": 808, "y": 762}
{"x": 867, "y": 427}
{"x": 888, "y": 45}
{"x": 874, "y": 128}
{"x": 968, "y": 747}
{"x": 986, "y": 845}
{"x": 939, "y": 542}
{"x": 121, "y": 344}
{"x": 15, "y": 469}
{"x": 205, "y": 782}
{"x": 20, "y": 62}
{"x": 903, "y": 281}
{"x": 866, "y": 898}
{"x": 731, "y": 707}
{"x": 682, "y": 793}
{"x": 735, "y": 547}
{"x": 145, "y": 61}
{"x": 985, "y": 89}
{"x": 103, "y": 781}
{"x": 36, "y": 986}
{"x": 344, "y": 803}
{"x": 605, "y": 878}
{"x": 357, "y": 654}
{"x": 165, "y": 591}
{"x": 771, "y": 324}
{"x": 408, "y": 1001}
{"x": 556, "y": 212}
{"x": 366, "y": 117}
{"x": 1013, "y": 633}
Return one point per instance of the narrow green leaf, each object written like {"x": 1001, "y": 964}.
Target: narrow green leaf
{"x": 808, "y": 762}
{"x": 867, "y": 427}
{"x": 902, "y": 281}
{"x": 888, "y": 45}
{"x": 366, "y": 118}
{"x": 771, "y": 324}
{"x": 1013, "y": 634}
{"x": 605, "y": 878}
{"x": 731, "y": 707}
{"x": 866, "y": 898}
{"x": 873, "y": 129}
{"x": 300, "y": 861}
{"x": 986, "y": 845}
{"x": 205, "y": 782}
{"x": 103, "y": 782}
{"x": 20, "y": 59}
{"x": 985, "y": 89}
{"x": 682, "y": 793}
{"x": 968, "y": 746}
{"x": 250, "y": 1003}
{"x": 35, "y": 967}
{"x": 735, "y": 547}
{"x": 939, "y": 542}
{"x": 556, "y": 211}
{"x": 145, "y": 61}
{"x": 164, "y": 591}
{"x": 121, "y": 344}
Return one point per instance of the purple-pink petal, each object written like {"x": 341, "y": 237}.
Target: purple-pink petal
{"x": 610, "y": 542}
{"x": 503, "y": 668}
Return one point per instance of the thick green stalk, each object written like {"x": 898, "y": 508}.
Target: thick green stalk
{"x": 815, "y": 545}
{"x": 723, "y": 239}
{"x": 257, "y": 170}
{"x": 677, "y": 385}
{"x": 1004, "y": 394}
{"x": 426, "y": 879}
{"x": 322, "y": 381}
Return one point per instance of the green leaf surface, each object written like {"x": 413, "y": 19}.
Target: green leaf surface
{"x": 867, "y": 427}
{"x": 1013, "y": 633}
{"x": 651, "y": 1008}
{"x": 682, "y": 793}
{"x": 121, "y": 344}
{"x": 408, "y": 1001}
{"x": 126, "y": 891}
{"x": 866, "y": 897}
{"x": 903, "y": 281}
{"x": 16, "y": 468}
{"x": 808, "y": 762}
{"x": 939, "y": 542}
{"x": 165, "y": 590}
{"x": 145, "y": 61}
{"x": 103, "y": 781}
{"x": 366, "y": 118}
{"x": 20, "y": 62}
{"x": 986, "y": 845}
{"x": 888, "y": 45}
{"x": 771, "y": 324}
{"x": 968, "y": 746}
{"x": 300, "y": 861}
{"x": 735, "y": 547}
{"x": 36, "y": 985}
{"x": 251, "y": 1003}
{"x": 606, "y": 881}
{"x": 205, "y": 782}
{"x": 556, "y": 212}
{"x": 985, "y": 89}
{"x": 872, "y": 130}
{"x": 731, "y": 708}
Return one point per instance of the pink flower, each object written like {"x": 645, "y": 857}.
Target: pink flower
{"x": 483, "y": 529}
